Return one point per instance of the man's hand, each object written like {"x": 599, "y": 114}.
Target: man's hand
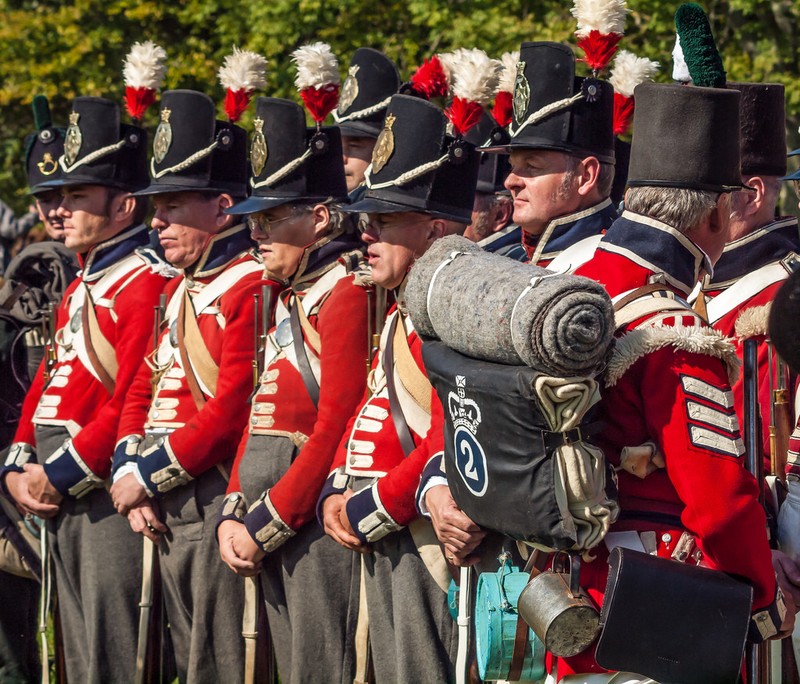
{"x": 231, "y": 544}
{"x": 39, "y": 486}
{"x": 17, "y": 485}
{"x": 126, "y": 493}
{"x": 341, "y": 532}
{"x": 143, "y": 520}
{"x": 456, "y": 532}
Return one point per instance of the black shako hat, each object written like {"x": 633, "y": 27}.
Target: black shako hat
{"x": 493, "y": 168}
{"x": 685, "y": 137}
{"x": 416, "y": 166}
{"x": 556, "y": 110}
{"x": 290, "y": 162}
{"x": 763, "y": 120}
{"x": 100, "y": 150}
{"x": 43, "y": 148}
{"x": 371, "y": 81}
{"x": 193, "y": 151}
{"x": 784, "y": 321}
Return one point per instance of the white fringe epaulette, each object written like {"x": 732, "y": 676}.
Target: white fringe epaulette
{"x": 473, "y": 75}
{"x": 243, "y": 70}
{"x": 509, "y": 73}
{"x": 629, "y": 71}
{"x": 316, "y": 66}
{"x": 605, "y": 16}
{"x": 639, "y": 342}
{"x": 753, "y": 322}
{"x": 145, "y": 66}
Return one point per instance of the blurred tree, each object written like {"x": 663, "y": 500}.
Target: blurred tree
{"x": 63, "y": 49}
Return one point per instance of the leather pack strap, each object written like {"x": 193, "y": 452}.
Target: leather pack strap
{"x": 312, "y": 336}
{"x": 298, "y": 342}
{"x": 400, "y": 424}
{"x": 535, "y": 565}
{"x": 99, "y": 350}
{"x": 191, "y": 380}
{"x": 413, "y": 380}
{"x": 637, "y": 293}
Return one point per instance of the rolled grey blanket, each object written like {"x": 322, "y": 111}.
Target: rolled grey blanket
{"x": 493, "y": 308}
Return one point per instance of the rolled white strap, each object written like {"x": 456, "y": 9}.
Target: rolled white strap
{"x": 453, "y": 256}
{"x": 548, "y": 111}
{"x": 533, "y": 283}
{"x": 406, "y": 177}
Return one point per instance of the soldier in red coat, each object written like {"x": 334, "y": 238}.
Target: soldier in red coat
{"x": 314, "y": 374}
{"x": 61, "y": 456}
{"x": 671, "y": 431}
{"x": 420, "y": 186}
{"x": 562, "y": 164}
{"x": 186, "y": 409}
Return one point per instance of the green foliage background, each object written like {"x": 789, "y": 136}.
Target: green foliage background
{"x": 63, "y": 49}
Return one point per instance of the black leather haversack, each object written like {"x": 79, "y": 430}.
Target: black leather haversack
{"x": 674, "y": 622}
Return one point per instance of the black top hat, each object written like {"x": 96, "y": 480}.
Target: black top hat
{"x": 291, "y": 163}
{"x": 493, "y": 168}
{"x": 43, "y": 148}
{"x": 685, "y": 137}
{"x": 416, "y": 166}
{"x": 763, "y": 121}
{"x": 100, "y": 150}
{"x": 365, "y": 93}
{"x": 192, "y": 151}
{"x": 556, "y": 110}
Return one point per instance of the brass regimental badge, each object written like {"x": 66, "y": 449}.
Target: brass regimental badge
{"x": 384, "y": 145}
{"x": 73, "y": 140}
{"x": 522, "y": 94}
{"x": 349, "y": 89}
{"x": 163, "y": 138}
{"x": 258, "y": 148}
{"x": 48, "y": 165}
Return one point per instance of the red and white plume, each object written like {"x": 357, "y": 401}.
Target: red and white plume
{"x": 627, "y": 73}
{"x": 143, "y": 71}
{"x": 601, "y": 24}
{"x": 240, "y": 74}
{"x": 317, "y": 78}
{"x": 430, "y": 79}
{"x": 474, "y": 77}
{"x": 504, "y": 100}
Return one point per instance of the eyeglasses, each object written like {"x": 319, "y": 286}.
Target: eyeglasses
{"x": 261, "y": 223}
{"x": 365, "y": 223}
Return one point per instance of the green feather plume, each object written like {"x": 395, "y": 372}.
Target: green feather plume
{"x": 699, "y": 49}
{"x": 41, "y": 112}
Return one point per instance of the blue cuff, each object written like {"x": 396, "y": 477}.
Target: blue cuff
{"x": 160, "y": 469}
{"x": 265, "y": 525}
{"x": 767, "y": 622}
{"x": 335, "y": 484}
{"x": 234, "y": 507}
{"x": 126, "y": 451}
{"x": 434, "y": 468}
{"x": 69, "y": 474}
{"x": 368, "y": 517}
{"x": 19, "y": 453}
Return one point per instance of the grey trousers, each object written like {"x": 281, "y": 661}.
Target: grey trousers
{"x": 98, "y": 570}
{"x": 19, "y": 622}
{"x": 204, "y": 599}
{"x": 413, "y": 636}
{"x": 310, "y": 583}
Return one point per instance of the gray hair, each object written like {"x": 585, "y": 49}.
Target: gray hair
{"x": 681, "y": 208}
{"x": 339, "y": 220}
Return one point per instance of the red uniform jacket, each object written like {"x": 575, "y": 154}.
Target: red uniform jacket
{"x": 222, "y": 286}
{"x": 124, "y": 278}
{"x": 668, "y": 385}
{"x": 737, "y": 299}
{"x": 371, "y": 447}
{"x": 335, "y": 302}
